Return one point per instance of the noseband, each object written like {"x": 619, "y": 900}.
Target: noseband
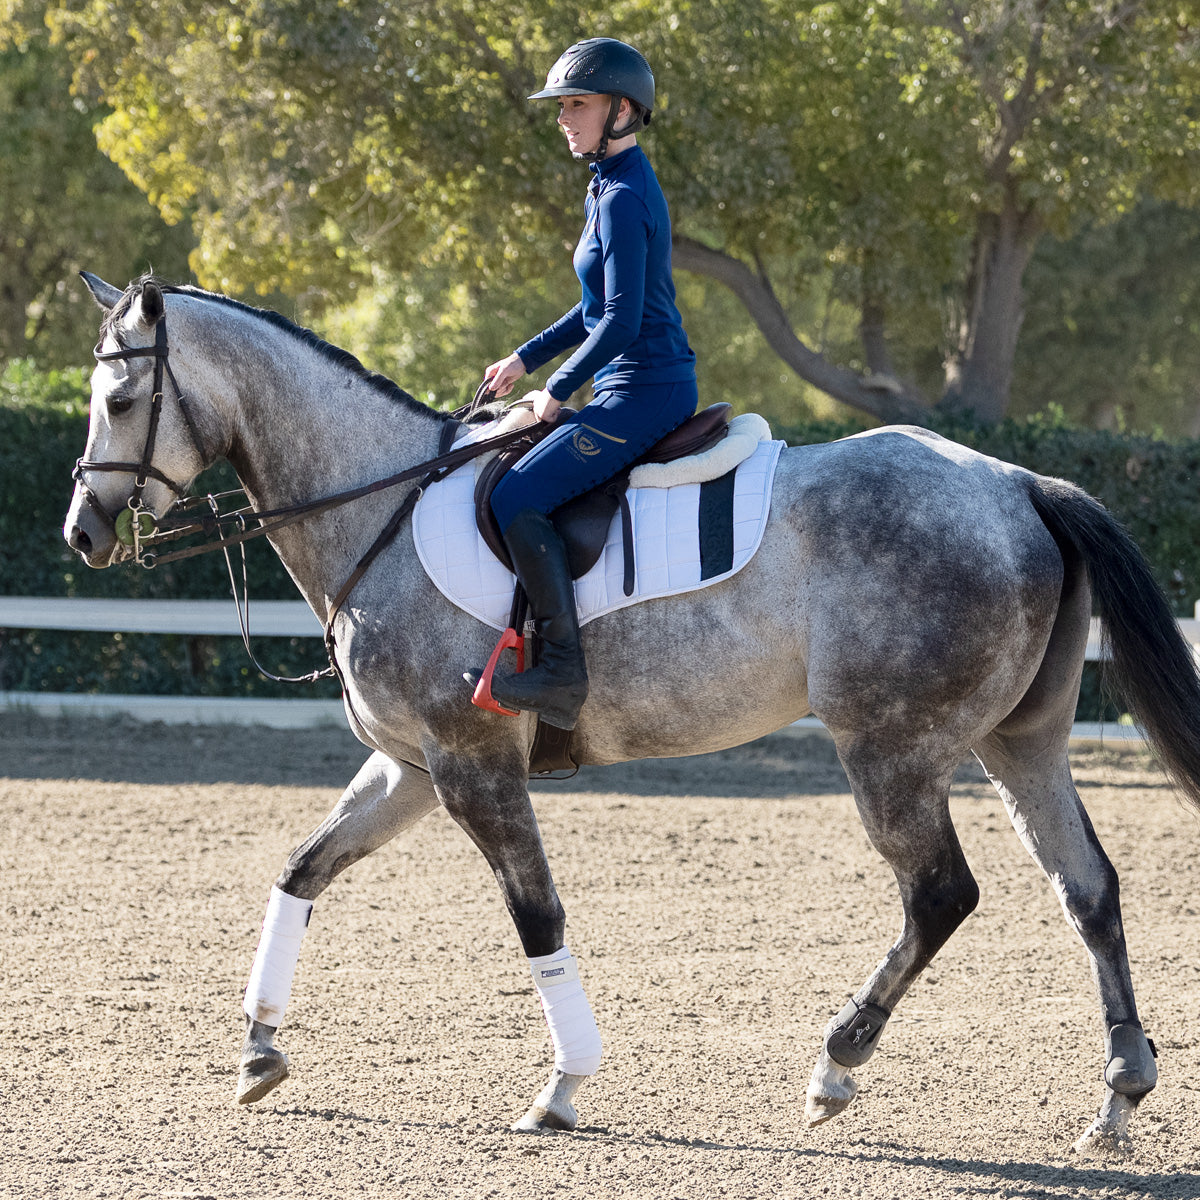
{"x": 141, "y": 519}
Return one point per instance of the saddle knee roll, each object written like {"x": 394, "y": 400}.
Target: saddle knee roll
{"x": 855, "y": 1032}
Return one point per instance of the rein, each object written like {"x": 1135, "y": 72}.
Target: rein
{"x": 278, "y": 518}
{"x": 144, "y": 531}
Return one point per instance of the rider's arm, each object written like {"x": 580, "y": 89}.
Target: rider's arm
{"x": 566, "y": 332}
{"x": 623, "y": 225}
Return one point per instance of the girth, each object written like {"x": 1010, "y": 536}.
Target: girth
{"x": 583, "y": 522}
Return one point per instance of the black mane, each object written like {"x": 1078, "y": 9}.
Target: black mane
{"x": 342, "y": 358}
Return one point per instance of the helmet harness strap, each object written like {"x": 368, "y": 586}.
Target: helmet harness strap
{"x": 636, "y": 122}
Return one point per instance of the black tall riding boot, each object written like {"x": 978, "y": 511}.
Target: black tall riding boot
{"x": 557, "y": 687}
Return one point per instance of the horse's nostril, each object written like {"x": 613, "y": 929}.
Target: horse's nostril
{"x": 80, "y": 541}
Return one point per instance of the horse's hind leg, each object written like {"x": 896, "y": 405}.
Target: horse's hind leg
{"x": 1050, "y": 820}
{"x": 904, "y": 806}
{"x": 382, "y": 800}
{"x": 490, "y": 800}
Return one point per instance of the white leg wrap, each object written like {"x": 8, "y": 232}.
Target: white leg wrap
{"x": 568, "y": 1013}
{"x": 275, "y": 963}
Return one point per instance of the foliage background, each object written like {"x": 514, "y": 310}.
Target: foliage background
{"x": 863, "y": 170}
{"x": 1148, "y": 483}
{"x": 885, "y": 202}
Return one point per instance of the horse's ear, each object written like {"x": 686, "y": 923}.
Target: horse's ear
{"x": 150, "y": 306}
{"x": 103, "y": 293}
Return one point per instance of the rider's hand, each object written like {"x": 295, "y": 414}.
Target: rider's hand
{"x": 501, "y": 376}
{"x": 545, "y": 407}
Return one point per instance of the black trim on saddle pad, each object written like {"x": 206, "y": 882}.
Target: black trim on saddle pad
{"x": 716, "y": 525}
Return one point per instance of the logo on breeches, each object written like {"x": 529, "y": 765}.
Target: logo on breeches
{"x": 585, "y": 442}
{"x": 585, "y": 445}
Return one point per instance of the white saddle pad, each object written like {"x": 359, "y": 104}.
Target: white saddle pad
{"x": 665, "y": 533}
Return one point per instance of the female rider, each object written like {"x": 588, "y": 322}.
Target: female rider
{"x": 629, "y": 340}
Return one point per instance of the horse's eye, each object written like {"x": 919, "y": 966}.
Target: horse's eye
{"x": 119, "y": 402}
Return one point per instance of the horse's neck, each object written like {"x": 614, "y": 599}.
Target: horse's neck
{"x": 311, "y": 427}
{"x": 305, "y": 426}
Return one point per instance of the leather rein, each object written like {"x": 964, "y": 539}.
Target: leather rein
{"x": 145, "y": 531}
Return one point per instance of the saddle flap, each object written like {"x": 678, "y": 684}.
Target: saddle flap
{"x": 582, "y": 523}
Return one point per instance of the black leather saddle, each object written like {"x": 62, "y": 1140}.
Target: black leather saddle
{"x": 583, "y": 523}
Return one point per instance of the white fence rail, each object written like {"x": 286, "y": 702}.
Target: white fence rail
{"x": 217, "y": 618}
{"x": 269, "y": 618}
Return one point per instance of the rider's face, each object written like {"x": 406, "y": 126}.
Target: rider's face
{"x": 582, "y": 119}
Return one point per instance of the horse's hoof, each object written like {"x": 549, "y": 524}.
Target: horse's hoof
{"x": 1103, "y": 1143}
{"x": 539, "y": 1119}
{"x": 819, "y": 1109}
{"x": 830, "y": 1090}
{"x": 1108, "y": 1135}
{"x": 260, "y": 1075}
{"x": 552, "y": 1110}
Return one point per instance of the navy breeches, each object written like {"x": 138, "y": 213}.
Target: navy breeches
{"x": 592, "y": 445}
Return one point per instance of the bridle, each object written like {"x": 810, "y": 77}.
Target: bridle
{"x": 145, "y": 531}
{"x": 141, "y": 521}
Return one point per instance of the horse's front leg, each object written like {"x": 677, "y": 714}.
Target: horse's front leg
{"x": 491, "y": 802}
{"x": 382, "y": 800}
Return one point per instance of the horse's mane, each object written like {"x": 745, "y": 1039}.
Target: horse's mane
{"x": 343, "y": 358}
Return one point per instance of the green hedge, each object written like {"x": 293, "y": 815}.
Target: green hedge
{"x": 43, "y": 428}
{"x": 1150, "y": 485}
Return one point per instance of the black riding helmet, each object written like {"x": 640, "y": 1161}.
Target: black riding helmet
{"x": 606, "y": 67}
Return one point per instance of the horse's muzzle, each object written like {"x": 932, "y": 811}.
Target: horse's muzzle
{"x": 90, "y": 531}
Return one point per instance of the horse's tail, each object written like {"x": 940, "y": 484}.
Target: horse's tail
{"x": 1149, "y": 660}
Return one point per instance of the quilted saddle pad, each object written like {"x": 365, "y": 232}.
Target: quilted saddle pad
{"x": 668, "y": 551}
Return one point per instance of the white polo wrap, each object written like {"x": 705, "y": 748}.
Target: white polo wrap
{"x": 568, "y": 1013}
{"x": 275, "y": 963}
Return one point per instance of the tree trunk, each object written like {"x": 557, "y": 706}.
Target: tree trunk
{"x": 881, "y": 396}
{"x": 979, "y": 373}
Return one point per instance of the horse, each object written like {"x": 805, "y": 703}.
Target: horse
{"x": 926, "y": 602}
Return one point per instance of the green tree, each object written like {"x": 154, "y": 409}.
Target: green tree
{"x": 1112, "y": 335}
{"x": 63, "y": 205}
{"x": 870, "y": 178}
{"x": 927, "y": 147}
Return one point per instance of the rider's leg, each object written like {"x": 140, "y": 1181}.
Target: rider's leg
{"x": 557, "y": 687}
{"x": 590, "y": 446}
{"x": 596, "y": 444}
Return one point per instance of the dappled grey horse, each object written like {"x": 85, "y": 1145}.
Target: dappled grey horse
{"x": 926, "y": 602}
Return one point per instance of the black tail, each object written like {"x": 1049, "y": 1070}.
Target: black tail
{"x": 1150, "y": 661}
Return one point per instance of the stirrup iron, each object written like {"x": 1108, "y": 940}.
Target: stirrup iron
{"x": 482, "y": 697}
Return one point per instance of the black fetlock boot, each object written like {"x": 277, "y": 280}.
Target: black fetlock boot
{"x": 557, "y": 687}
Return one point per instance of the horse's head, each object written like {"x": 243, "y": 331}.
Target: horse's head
{"x": 142, "y": 449}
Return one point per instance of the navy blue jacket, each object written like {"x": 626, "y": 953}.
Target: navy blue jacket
{"x": 626, "y": 326}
